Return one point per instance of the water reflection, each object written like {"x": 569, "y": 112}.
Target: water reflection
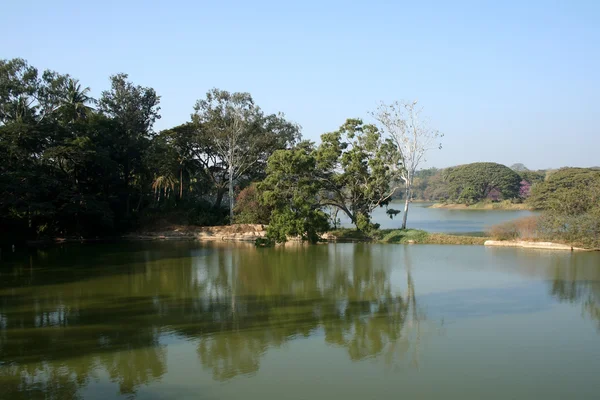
{"x": 579, "y": 283}
{"x": 234, "y": 302}
{"x": 76, "y": 315}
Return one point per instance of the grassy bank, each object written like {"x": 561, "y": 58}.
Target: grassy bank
{"x": 484, "y": 205}
{"x": 406, "y": 236}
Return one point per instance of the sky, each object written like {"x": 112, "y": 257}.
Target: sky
{"x": 505, "y": 81}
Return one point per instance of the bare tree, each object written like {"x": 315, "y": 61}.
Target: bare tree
{"x": 411, "y": 133}
{"x": 240, "y": 136}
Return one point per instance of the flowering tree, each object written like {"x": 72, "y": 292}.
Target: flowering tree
{"x": 525, "y": 189}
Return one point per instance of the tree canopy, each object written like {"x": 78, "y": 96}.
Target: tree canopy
{"x": 291, "y": 190}
{"x": 77, "y": 166}
{"x": 474, "y": 182}
{"x": 357, "y": 169}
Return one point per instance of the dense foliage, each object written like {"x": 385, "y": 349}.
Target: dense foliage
{"x": 356, "y": 168}
{"x": 352, "y": 171}
{"x": 76, "y": 166}
{"x": 249, "y": 209}
{"x": 433, "y": 184}
{"x": 474, "y": 182}
{"x": 570, "y": 202}
{"x": 292, "y": 191}
{"x": 570, "y": 198}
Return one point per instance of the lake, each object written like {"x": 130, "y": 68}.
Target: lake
{"x": 441, "y": 220}
{"x": 186, "y": 320}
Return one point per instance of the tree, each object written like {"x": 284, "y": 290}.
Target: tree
{"x": 171, "y": 153}
{"x": 134, "y": 110}
{"x": 413, "y": 137}
{"x": 19, "y": 85}
{"x": 74, "y": 101}
{"x": 436, "y": 188}
{"x": 519, "y": 167}
{"x": 570, "y": 200}
{"x": 533, "y": 177}
{"x": 473, "y": 182}
{"x": 581, "y": 181}
{"x": 357, "y": 169}
{"x": 525, "y": 189}
{"x": 236, "y": 137}
{"x": 291, "y": 190}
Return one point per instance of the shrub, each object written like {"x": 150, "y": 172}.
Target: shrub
{"x": 248, "y": 208}
{"x": 519, "y": 229}
{"x": 204, "y": 214}
{"x": 581, "y": 230}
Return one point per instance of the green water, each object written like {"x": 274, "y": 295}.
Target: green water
{"x": 180, "y": 320}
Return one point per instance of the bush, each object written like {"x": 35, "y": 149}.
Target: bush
{"x": 519, "y": 229}
{"x": 248, "y": 208}
{"x": 581, "y": 230}
{"x": 307, "y": 224}
{"x": 578, "y": 230}
{"x": 204, "y": 214}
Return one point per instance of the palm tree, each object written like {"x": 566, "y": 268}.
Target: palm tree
{"x": 164, "y": 183}
{"x": 74, "y": 101}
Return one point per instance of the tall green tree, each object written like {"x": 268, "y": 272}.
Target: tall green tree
{"x": 291, "y": 190}
{"x": 237, "y": 138}
{"x": 74, "y": 102}
{"x": 134, "y": 109}
{"x": 358, "y": 170}
{"x": 19, "y": 85}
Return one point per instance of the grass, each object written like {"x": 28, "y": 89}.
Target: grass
{"x": 405, "y": 236}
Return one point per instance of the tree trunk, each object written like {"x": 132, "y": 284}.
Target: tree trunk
{"x": 126, "y": 175}
{"x": 230, "y": 193}
{"x": 219, "y": 199}
{"x": 181, "y": 183}
{"x": 406, "y": 201}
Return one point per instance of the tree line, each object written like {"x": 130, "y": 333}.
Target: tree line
{"x": 74, "y": 165}
{"x": 476, "y": 182}
{"x": 78, "y": 166}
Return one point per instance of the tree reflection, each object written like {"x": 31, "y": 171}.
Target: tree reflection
{"x": 281, "y": 294}
{"x": 235, "y": 302}
{"x": 577, "y": 280}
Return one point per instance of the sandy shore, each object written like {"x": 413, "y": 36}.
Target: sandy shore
{"x": 532, "y": 245}
{"x": 239, "y": 233}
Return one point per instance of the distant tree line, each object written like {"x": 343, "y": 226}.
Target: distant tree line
{"x": 475, "y": 182}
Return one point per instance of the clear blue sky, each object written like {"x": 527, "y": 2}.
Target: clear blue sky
{"x": 506, "y": 81}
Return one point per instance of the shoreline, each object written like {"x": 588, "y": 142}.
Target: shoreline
{"x": 249, "y": 233}
{"x": 534, "y": 245}
{"x": 483, "y": 207}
